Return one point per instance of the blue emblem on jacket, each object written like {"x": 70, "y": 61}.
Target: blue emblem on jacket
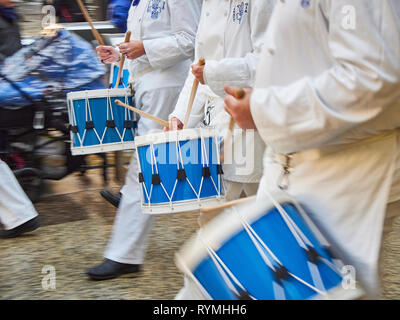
{"x": 239, "y": 11}
{"x": 156, "y": 7}
{"x": 305, "y": 3}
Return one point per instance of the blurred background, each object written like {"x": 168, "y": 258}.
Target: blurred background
{"x": 67, "y": 11}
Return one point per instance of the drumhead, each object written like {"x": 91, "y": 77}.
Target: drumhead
{"x": 176, "y": 135}
{"x": 100, "y": 93}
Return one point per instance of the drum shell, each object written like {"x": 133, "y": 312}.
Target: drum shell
{"x": 109, "y": 131}
{"x": 228, "y": 237}
{"x": 164, "y": 154}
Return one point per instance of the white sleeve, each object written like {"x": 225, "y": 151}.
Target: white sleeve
{"x": 168, "y": 51}
{"x": 362, "y": 83}
{"x": 240, "y": 72}
{"x": 197, "y": 113}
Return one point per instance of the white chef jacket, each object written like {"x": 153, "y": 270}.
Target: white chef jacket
{"x": 328, "y": 90}
{"x": 323, "y": 81}
{"x": 168, "y": 30}
{"x": 230, "y": 38}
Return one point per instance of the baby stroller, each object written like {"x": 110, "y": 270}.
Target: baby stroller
{"x": 34, "y": 132}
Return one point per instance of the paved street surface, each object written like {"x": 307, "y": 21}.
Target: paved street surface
{"x": 76, "y": 223}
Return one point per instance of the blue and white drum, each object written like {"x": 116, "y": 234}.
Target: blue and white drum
{"x": 268, "y": 251}
{"x": 98, "y": 124}
{"x": 179, "y": 171}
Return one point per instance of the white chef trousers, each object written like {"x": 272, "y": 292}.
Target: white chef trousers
{"x": 15, "y": 206}
{"x": 131, "y": 228}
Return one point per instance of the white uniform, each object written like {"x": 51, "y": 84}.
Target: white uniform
{"x": 15, "y": 206}
{"x": 168, "y": 29}
{"x": 230, "y": 39}
{"x": 328, "y": 90}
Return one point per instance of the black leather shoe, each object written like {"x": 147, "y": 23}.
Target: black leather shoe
{"x": 28, "y": 226}
{"x": 110, "y": 269}
{"x": 112, "y": 198}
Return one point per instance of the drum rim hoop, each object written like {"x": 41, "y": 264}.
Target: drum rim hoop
{"x": 99, "y": 93}
{"x": 173, "y": 136}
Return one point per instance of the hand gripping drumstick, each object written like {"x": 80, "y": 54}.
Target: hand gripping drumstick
{"x": 238, "y": 94}
{"x": 144, "y": 114}
{"x": 202, "y": 62}
{"x": 96, "y": 34}
{"x": 121, "y": 63}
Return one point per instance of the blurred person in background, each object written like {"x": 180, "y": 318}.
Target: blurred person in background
{"x": 17, "y": 213}
{"x": 9, "y": 30}
{"x": 118, "y": 11}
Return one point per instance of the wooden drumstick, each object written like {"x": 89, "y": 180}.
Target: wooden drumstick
{"x": 142, "y": 113}
{"x": 238, "y": 94}
{"x": 96, "y": 34}
{"x": 201, "y": 62}
{"x": 227, "y": 205}
{"x": 122, "y": 62}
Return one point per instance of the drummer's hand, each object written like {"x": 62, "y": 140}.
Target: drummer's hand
{"x": 107, "y": 54}
{"x": 133, "y": 49}
{"x": 198, "y": 72}
{"x": 174, "y": 124}
{"x": 239, "y": 109}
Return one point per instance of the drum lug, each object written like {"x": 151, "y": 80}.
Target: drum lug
{"x": 181, "y": 175}
{"x": 206, "y": 172}
{"x": 312, "y": 255}
{"x": 141, "y": 177}
{"x": 156, "y": 179}
{"x": 244, "y": 295}
{"x": 281, "y": 273}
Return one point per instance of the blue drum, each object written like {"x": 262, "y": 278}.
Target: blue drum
{"x": 179, "y": 171}
{"x": 99, "y": 125}
{"x": 263, "y": 252}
